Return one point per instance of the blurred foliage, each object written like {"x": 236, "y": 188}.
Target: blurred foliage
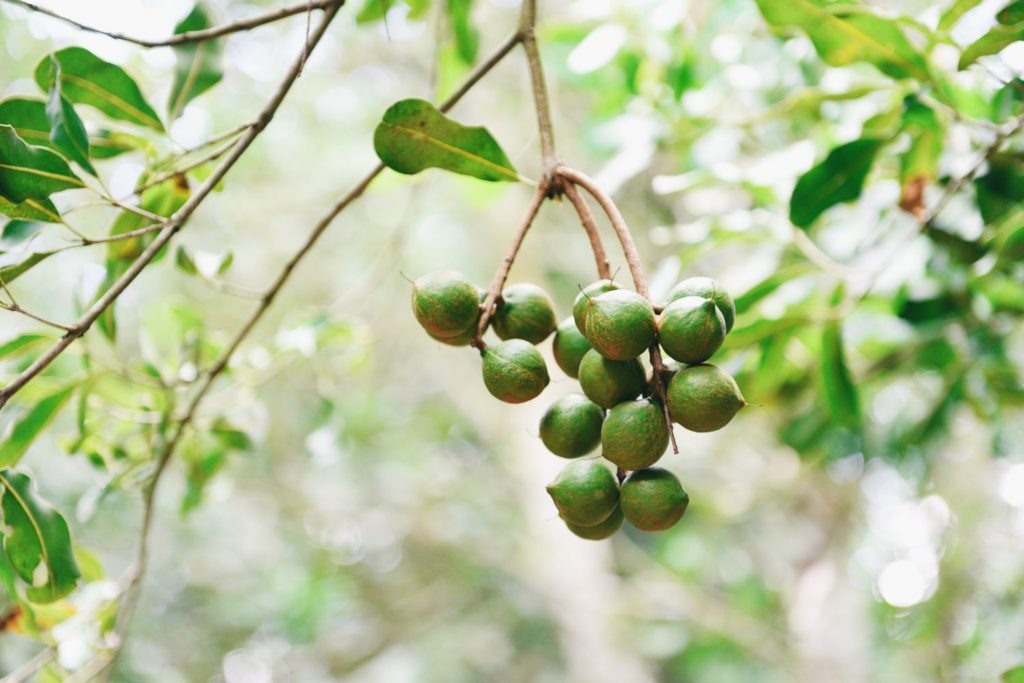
{"x": 349, "y": 507}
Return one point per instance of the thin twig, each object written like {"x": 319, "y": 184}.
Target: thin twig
{"x": 16, "y": 308}
{"x": 133, "y": 578}
{"x": 604, "y": 269}
{"x": 172, "y": 226}
{"x": 30, "y": 668}
{"x": 188, "y": 37}
{"x": 498, "y": 283}
{"x": 636, "y": 270}
{"x": 164, "y": 177}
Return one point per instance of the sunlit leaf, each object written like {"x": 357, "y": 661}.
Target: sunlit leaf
{"x": 28, "y": 172}
{"x": 29, "y": 425}
{"x": 414, "y": 136}
{"x": 919, "y": 164}
{"x": 28, "y": 118}
{"x": 837, "y": 179}
{"x": 198, "y": 66}
{"x": 847, "y": 35}
{"x": 996, "y": 40}
{"x": 87, "y": 79}
{"x": 67, "y": 132}
{"x": 38, "y": 535}
{"x": 23, "y": 344}
{"x": 1014, "y": 675}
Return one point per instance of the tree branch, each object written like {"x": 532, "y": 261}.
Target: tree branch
{"x": 173, "y": 224}
{"x": 636, "y": 270}
{"x": 604, "y": 270}
{"x": 498, "y": 283}
{"x": 188, "y": 37}
{"x": 541, "y": 102}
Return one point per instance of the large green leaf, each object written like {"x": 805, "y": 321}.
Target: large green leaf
{"x": 16, "y": 234}
{"x": 849, "y": 35}
{"x": 198, "y": 65}
{"x": 13, "y": 266}
{"x": 31, "y": 210}
{"x": 414, "y": 136}
{"x": 841, "y": 394}
{"x": 839, "y": 178}
{"x": 1000, "y": 37}
{"x": 38, "y": 535}
{"x": 28, "y": 172}
{"x": 67, "y": 132}
{"x": 28, "y": 426}
{"x": 87, "y": 79}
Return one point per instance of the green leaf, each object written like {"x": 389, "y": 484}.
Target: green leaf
{"x": 198, "y": 65}
{"x": 184, "y": 261}
{"x": 998, "y": 192}
{"x": 31, "y": 210}
{"x": 840, "y": 393}
{"x": 67, "y": 132}
{"x": 1000, "y": 37}
{"x": 108, "y": 143}
{"x": 163, "y": 199}
{"x": 13, "y": 266}
{"x": 919, "y": 164}
{"x": 16, "y": 233}
{"x": 375, "y": 10}
{"x": 230, "y": 436}
{"x": 955, "y": 11}
{"x": 87, "y": 79}
{"x": 28, "y": 118}
{"x": 839, "y": 178}
{"x": 1012, "y": 13}
{"x": 31, "y": 424}
{"x": 849, "y": 35}
{"x": 414, "y": 136}
{"x": 38, "y": 536}
{"x": 23, "y": 344}
{"x": 28, "y": 172}
{"x": 1014, "y": 675}
{"x": 467, "y": 38}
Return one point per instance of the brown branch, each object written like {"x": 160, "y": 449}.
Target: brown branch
{"x": 604, "y": 269}
{"x": 498, "y": 283}
{"x": 541, "y": 101}
{"x": 636, "y": 270}
{"x": 173, "y": 225}
{"x": 188, "y": 37}
{"x": 132, "y": 580}
{"x": 14, "y": 307}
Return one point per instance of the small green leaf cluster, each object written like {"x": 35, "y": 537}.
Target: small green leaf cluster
{"x": 620, "y": 409}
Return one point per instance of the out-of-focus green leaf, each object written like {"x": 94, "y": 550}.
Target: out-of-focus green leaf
{"x": 998, "y": 192}
{"x": 163, "y": 200}
{"x": 13, "y": 266}
{"x": 841, "y": 394}
{"x": 23, "y": 344}
{"x": 467, "y": 38}
{"x": 17, "y": 233}
{"x": 198, "y": 65}
{"x": 758, "y": 331}
{"x": 1004, "y": 293}
{"x": 744, "y": 302}
{"x": 184, "y": 262}
{"x": 1011, "y": 14}
{"x": 89, "y": 564}
{"x": 87, "y": 79}
{"x": 1008, "y": 101}
{"x": 963, "y": 250}
{"x": 955, "y": 11}
{"x": 375, "y": 10}
{"x": 849, "y": 34}
{"x": 919, "y": 164}
{"x": 414, "y": 136}
{"x": 38, "y": 536}
{"x": 107, "y": 144}
{"x": 31, "y": 210}
{"x": 839, "y": 178}
{"x": 28, "y": 172}
{"x": 996, "y": 40}
{"x": 67, "y": 132}
{"x": 25, "y": 430}
{"x": 1014, "y": 675}
{"x": 231, "y": 437}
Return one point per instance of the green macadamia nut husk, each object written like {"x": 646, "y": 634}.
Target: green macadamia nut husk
{"x": 653, "y": 499}
{"x": 569, "y": 346}
{"x": 514, "y": 371}
{"x": 601, "y": 530}
{"x": 621, "y": 324}
{"x": 635, "y": 434}
{"x": 703, "y": 398}
{"x": 707, "y": 288}
{"x": 608, "y": 382}
{"x": 585, "y": 492}
{"x": 691, "y": 329}
{"x": 571, "y": 427}
{"x": 526, "y": 312}
{"x": 581, "y": 303}
{"x": 446, "y": 304}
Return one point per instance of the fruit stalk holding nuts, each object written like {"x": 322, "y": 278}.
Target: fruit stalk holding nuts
{"x": 623, "y": 409}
